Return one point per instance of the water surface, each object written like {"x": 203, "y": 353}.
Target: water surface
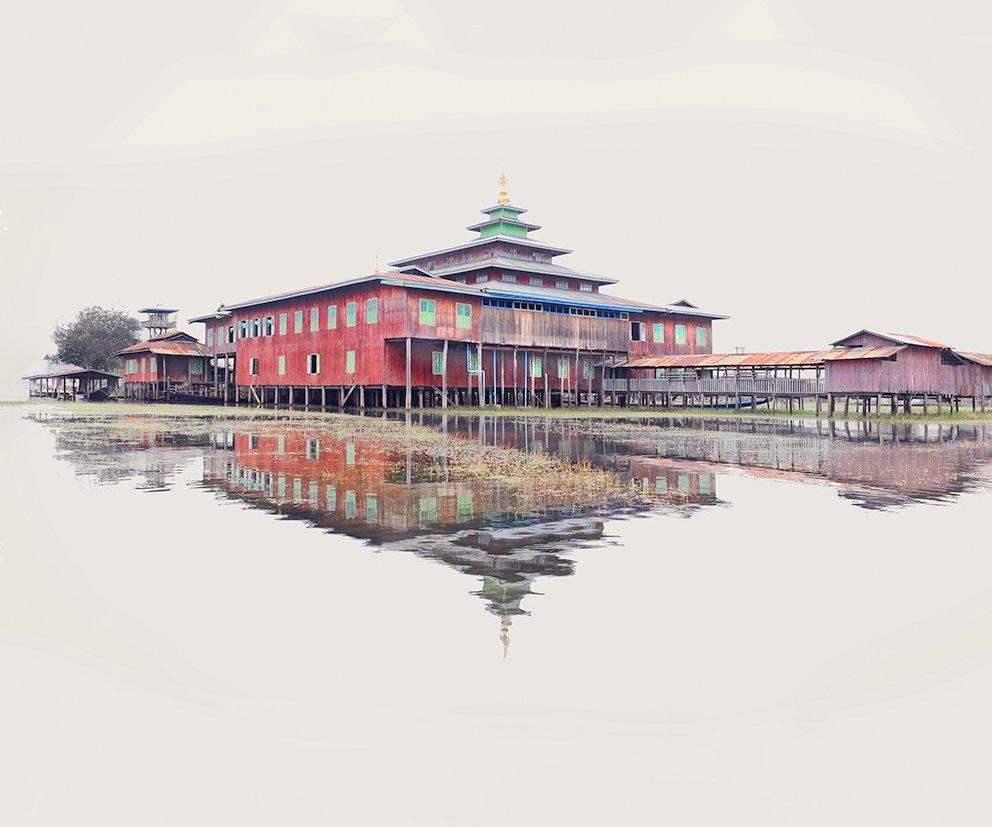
{"x": 275, "y": 625}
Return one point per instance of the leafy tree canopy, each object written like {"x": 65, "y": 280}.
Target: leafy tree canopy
{"x": 91, "y": 339}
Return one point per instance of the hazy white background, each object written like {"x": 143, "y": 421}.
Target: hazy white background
{"x": 808, "y": 168}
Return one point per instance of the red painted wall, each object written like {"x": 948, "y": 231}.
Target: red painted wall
{"x": 669, "y": 347}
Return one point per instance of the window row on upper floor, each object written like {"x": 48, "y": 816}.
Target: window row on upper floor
{"x": 639, "y": 333}
{"x": 534, "y": 281}
{"x": 543, "y": 307}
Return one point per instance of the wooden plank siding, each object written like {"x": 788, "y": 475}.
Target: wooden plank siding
{"x": 913, "y": 370}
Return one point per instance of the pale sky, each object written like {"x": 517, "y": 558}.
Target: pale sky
{"x": 807, "y": 168}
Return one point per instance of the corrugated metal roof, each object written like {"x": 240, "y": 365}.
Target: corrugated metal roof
{"x": 984, "y": 359}
{"x": 781, "y": 358}
{"x": 74, "y": 372}
{"x": 508, "y": 263}
{"x": 476, "y": 242}
{"x": 167, "y": 347}
{"x": 900, "y": 338}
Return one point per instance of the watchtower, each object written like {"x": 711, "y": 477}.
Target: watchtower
{"x": 160, "y": 320}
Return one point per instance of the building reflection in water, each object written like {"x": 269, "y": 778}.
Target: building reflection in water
{"x": 490, "y": 531}
{"x": 483, "y": 528}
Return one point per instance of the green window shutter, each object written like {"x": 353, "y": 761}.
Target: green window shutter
{"x": 282, "y": 365}
{"x": 314, "y": 319}
{"x": 563, "y": 368}
{"x": 659, "y": 373}
{"x": 659, "y": 332}
{"x": 371, "y": 508}
{"x": 152, "y": 363}
{"x": 298, "y": 321}
{"x": 349, "y": 456}
{"x": 196, "y": 365}
{"x": 472, "y": 358}
{"x": 701, "y": 336}
{"x": 282, "y": 324}
{"x": 437, "y": 362}
{"x": 463, "y": 316}
{"x": 332, "y": 317}
{"x": 587, "y": 370}
{"x": 680, "y": 334}
{"x": 371, "y": 311}
{"x": 535, "y": 367}
{"x": 349, "y": 362}
{"x": 351, "y": 311}
{"x": 428, "y": 311}
{"x": 349, "y": 498}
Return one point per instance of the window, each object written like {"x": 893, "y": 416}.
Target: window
{"x": 220, "y": 335}
{"x": 350, "y": 508}
{"x": 561, "y": 284}
{"x": 282, "y": 324}
{"x": 371, "y": 311}
{"x": 437, "y": 362}
{"x": 313, "y": 363}
{"x": 585, "y": 287}
{"x": 537, "y": 281}
{"x": 152, "y": 364}
{"x": 535, "y": 367}
{"x": 332, "y": 317}
{"x": 510, "y": 277}
{"x": 253, "y": 366}
{"x": 463, "y": 316}
{"x": 349, "y": 362}
{"x": 371, "y": 508}
{"x": 269, "y": 326}
{"x": 701, "y": 337}
{"x": 349, "y": 455}
{"x": 196, "y": 365}
{"x": 142, "y": 365}
{"x": 587, "y": 370}
{"x": 658, "y": 332}
{"x": 563, "y": 368}
{"x": 481, "y": 278}
{"x": 637, "y": 332}
{"x": 472, "y": 359}
{"x": 351, "y": 314}
{"x": 428, "y": 311}
{"x": 298, "y": 321}
{"x": 243, "y": 329}
{"x": 659, "y": 373}
{"x": 314, "y": 319}
{"x": 210, "y": 337}
{"x": 256, "y": 327}
{"x": 282, "y": 365}
{"x": 680, "y": 334}
{"x": 331, "y": 492}
{"x": 313, "y": 448}
{"x": 230, "y": 334}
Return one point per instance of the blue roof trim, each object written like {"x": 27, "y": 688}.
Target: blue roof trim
{"x": 537, "y": 299}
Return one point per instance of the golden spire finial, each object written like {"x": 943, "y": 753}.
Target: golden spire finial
{"x": 504, "y": 192}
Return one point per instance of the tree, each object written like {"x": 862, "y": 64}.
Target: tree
{"x": 94, "y": 336}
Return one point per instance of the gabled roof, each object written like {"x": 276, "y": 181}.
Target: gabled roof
{"x": 392, "y": 278}
{"x": 508, "y": 263}
{"x": 220, "y": 313}
{"x": 478, "y": 242}
{"x": 984, "y": 359}
{"x": 898, "y": 338}
{"x": 175, "y": 343}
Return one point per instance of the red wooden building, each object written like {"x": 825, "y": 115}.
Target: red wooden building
{"x": 165, "y": 364}
{"x": 492, "y": 320}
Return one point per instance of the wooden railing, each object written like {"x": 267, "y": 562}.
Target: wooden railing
{"x": 553, "y": 330}
{"x": 744, "y": 385}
